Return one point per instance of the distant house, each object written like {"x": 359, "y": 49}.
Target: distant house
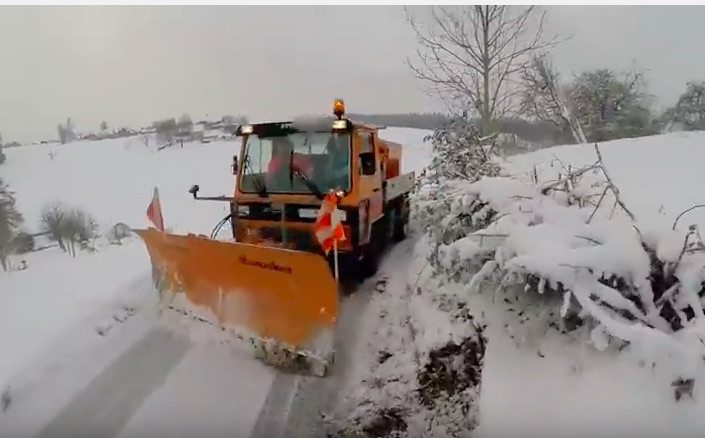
{"x": 210, "y": 135}
{"x": 197, "y": 131}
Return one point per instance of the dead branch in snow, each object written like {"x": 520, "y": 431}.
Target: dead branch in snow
{"x": 566, "y": 183}
{"x": 615, "y": 190}
{"x": 684, "y": 212}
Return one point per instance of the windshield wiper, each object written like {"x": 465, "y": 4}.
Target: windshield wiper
{"x": 257, "y": 180}
{"x": 309, "y": 184}
{"x": 260, "y": 186}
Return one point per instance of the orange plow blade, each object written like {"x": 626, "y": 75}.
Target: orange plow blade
{"x": 275, "y": 293}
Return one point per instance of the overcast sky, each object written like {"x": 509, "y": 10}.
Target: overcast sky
{"x": 132, "y": 65}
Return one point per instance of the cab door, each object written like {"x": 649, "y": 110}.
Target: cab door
{"x": 370, "y": 178}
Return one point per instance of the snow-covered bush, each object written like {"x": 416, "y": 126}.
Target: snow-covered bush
{"x": 69, "y": 227}
{"x": 459, "y": 152}
{"x": 572, "y": 245}
{"x": 117, "y": 233}
{"x": 460, "y": 155}
{"x": 22, "y": 243}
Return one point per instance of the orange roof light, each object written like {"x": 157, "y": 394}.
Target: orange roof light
{"x": 338, "y": 107}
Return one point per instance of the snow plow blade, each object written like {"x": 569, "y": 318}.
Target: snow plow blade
{"x": 273, "y": 293}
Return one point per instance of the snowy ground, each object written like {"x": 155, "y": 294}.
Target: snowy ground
{"x": 57, "y": 364}
{"x": 73, "y": 328}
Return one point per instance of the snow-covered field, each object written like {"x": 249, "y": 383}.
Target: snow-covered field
{"x": 65, "y": 321}
{"x": 659, "y": 176}
{"x": 68, "y": 326}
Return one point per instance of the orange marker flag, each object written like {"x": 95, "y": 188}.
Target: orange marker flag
{"x": 154, "y": 211}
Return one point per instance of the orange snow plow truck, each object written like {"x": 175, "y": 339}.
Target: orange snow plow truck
{"x": 272, "y": 283}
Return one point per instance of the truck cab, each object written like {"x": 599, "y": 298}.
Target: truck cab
{"x": 285, "y": 169}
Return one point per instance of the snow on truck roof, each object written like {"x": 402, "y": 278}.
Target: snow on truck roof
{"x": 306, "y": 123}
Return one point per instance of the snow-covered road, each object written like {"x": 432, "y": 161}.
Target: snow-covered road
{"x": 152, "y": 377}
{"x": 161, "y": 383}
{"x": 84, "y": 351}
{"x": 112, "y": 399}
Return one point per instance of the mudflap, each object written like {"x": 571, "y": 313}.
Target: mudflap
{"x": 284, "y": 302}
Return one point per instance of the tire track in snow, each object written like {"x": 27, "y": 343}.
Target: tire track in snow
{"x": 295, "y": 404}
{"x": 104, "y": 407}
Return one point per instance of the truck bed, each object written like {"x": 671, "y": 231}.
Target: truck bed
{"x": 399, "y": 185}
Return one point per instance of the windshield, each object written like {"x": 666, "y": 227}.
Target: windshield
{"x": 322, "y": 158}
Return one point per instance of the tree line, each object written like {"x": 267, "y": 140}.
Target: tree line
{"x": 492, "y": 64}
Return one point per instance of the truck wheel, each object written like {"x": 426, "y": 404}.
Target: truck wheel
{"x": 400, "y": 227}
{"x": 368, "y": 266}
{"x": 393, "y": 218}
{"x": 371, "y": 253}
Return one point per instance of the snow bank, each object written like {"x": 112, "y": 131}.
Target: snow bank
{"x": 420, "y": 370}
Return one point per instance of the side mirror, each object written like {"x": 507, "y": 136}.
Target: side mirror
{"x": 234, "y": 167}
{"x": 194, "y": 190}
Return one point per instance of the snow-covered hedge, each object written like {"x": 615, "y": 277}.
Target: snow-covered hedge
{"x": 574, "y": 246}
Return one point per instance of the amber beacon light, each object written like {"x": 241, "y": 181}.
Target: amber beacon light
{"x": 339, "y": 107}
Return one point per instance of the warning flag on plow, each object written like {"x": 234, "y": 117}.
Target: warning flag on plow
{"x": 154, "y": 211}
{"x": 329, "y": 228}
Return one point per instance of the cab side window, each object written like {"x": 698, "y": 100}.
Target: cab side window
{"x": 367, "y": 154}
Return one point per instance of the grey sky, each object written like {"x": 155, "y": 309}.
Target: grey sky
{"x": 132, "y": 65}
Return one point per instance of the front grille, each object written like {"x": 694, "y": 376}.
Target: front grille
{"x": 297, "y": 238}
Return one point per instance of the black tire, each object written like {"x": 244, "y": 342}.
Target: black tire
{"x": 370, "y": 261}
{"x": 369, "y": 265}
{"x": 400, "y": 226}
{"x": 392, "y": 220}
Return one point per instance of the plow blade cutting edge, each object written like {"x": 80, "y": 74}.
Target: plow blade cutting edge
{"x": 274, "y": 293}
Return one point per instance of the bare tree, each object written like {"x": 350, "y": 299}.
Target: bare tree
{"x": 545, "y": 98}
{"x": 67, "y": 133}
{"x": 471, "y": 56}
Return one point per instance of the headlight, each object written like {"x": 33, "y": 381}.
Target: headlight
{"x": 308, "y": 212}
{"x": 243, "y": 209}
